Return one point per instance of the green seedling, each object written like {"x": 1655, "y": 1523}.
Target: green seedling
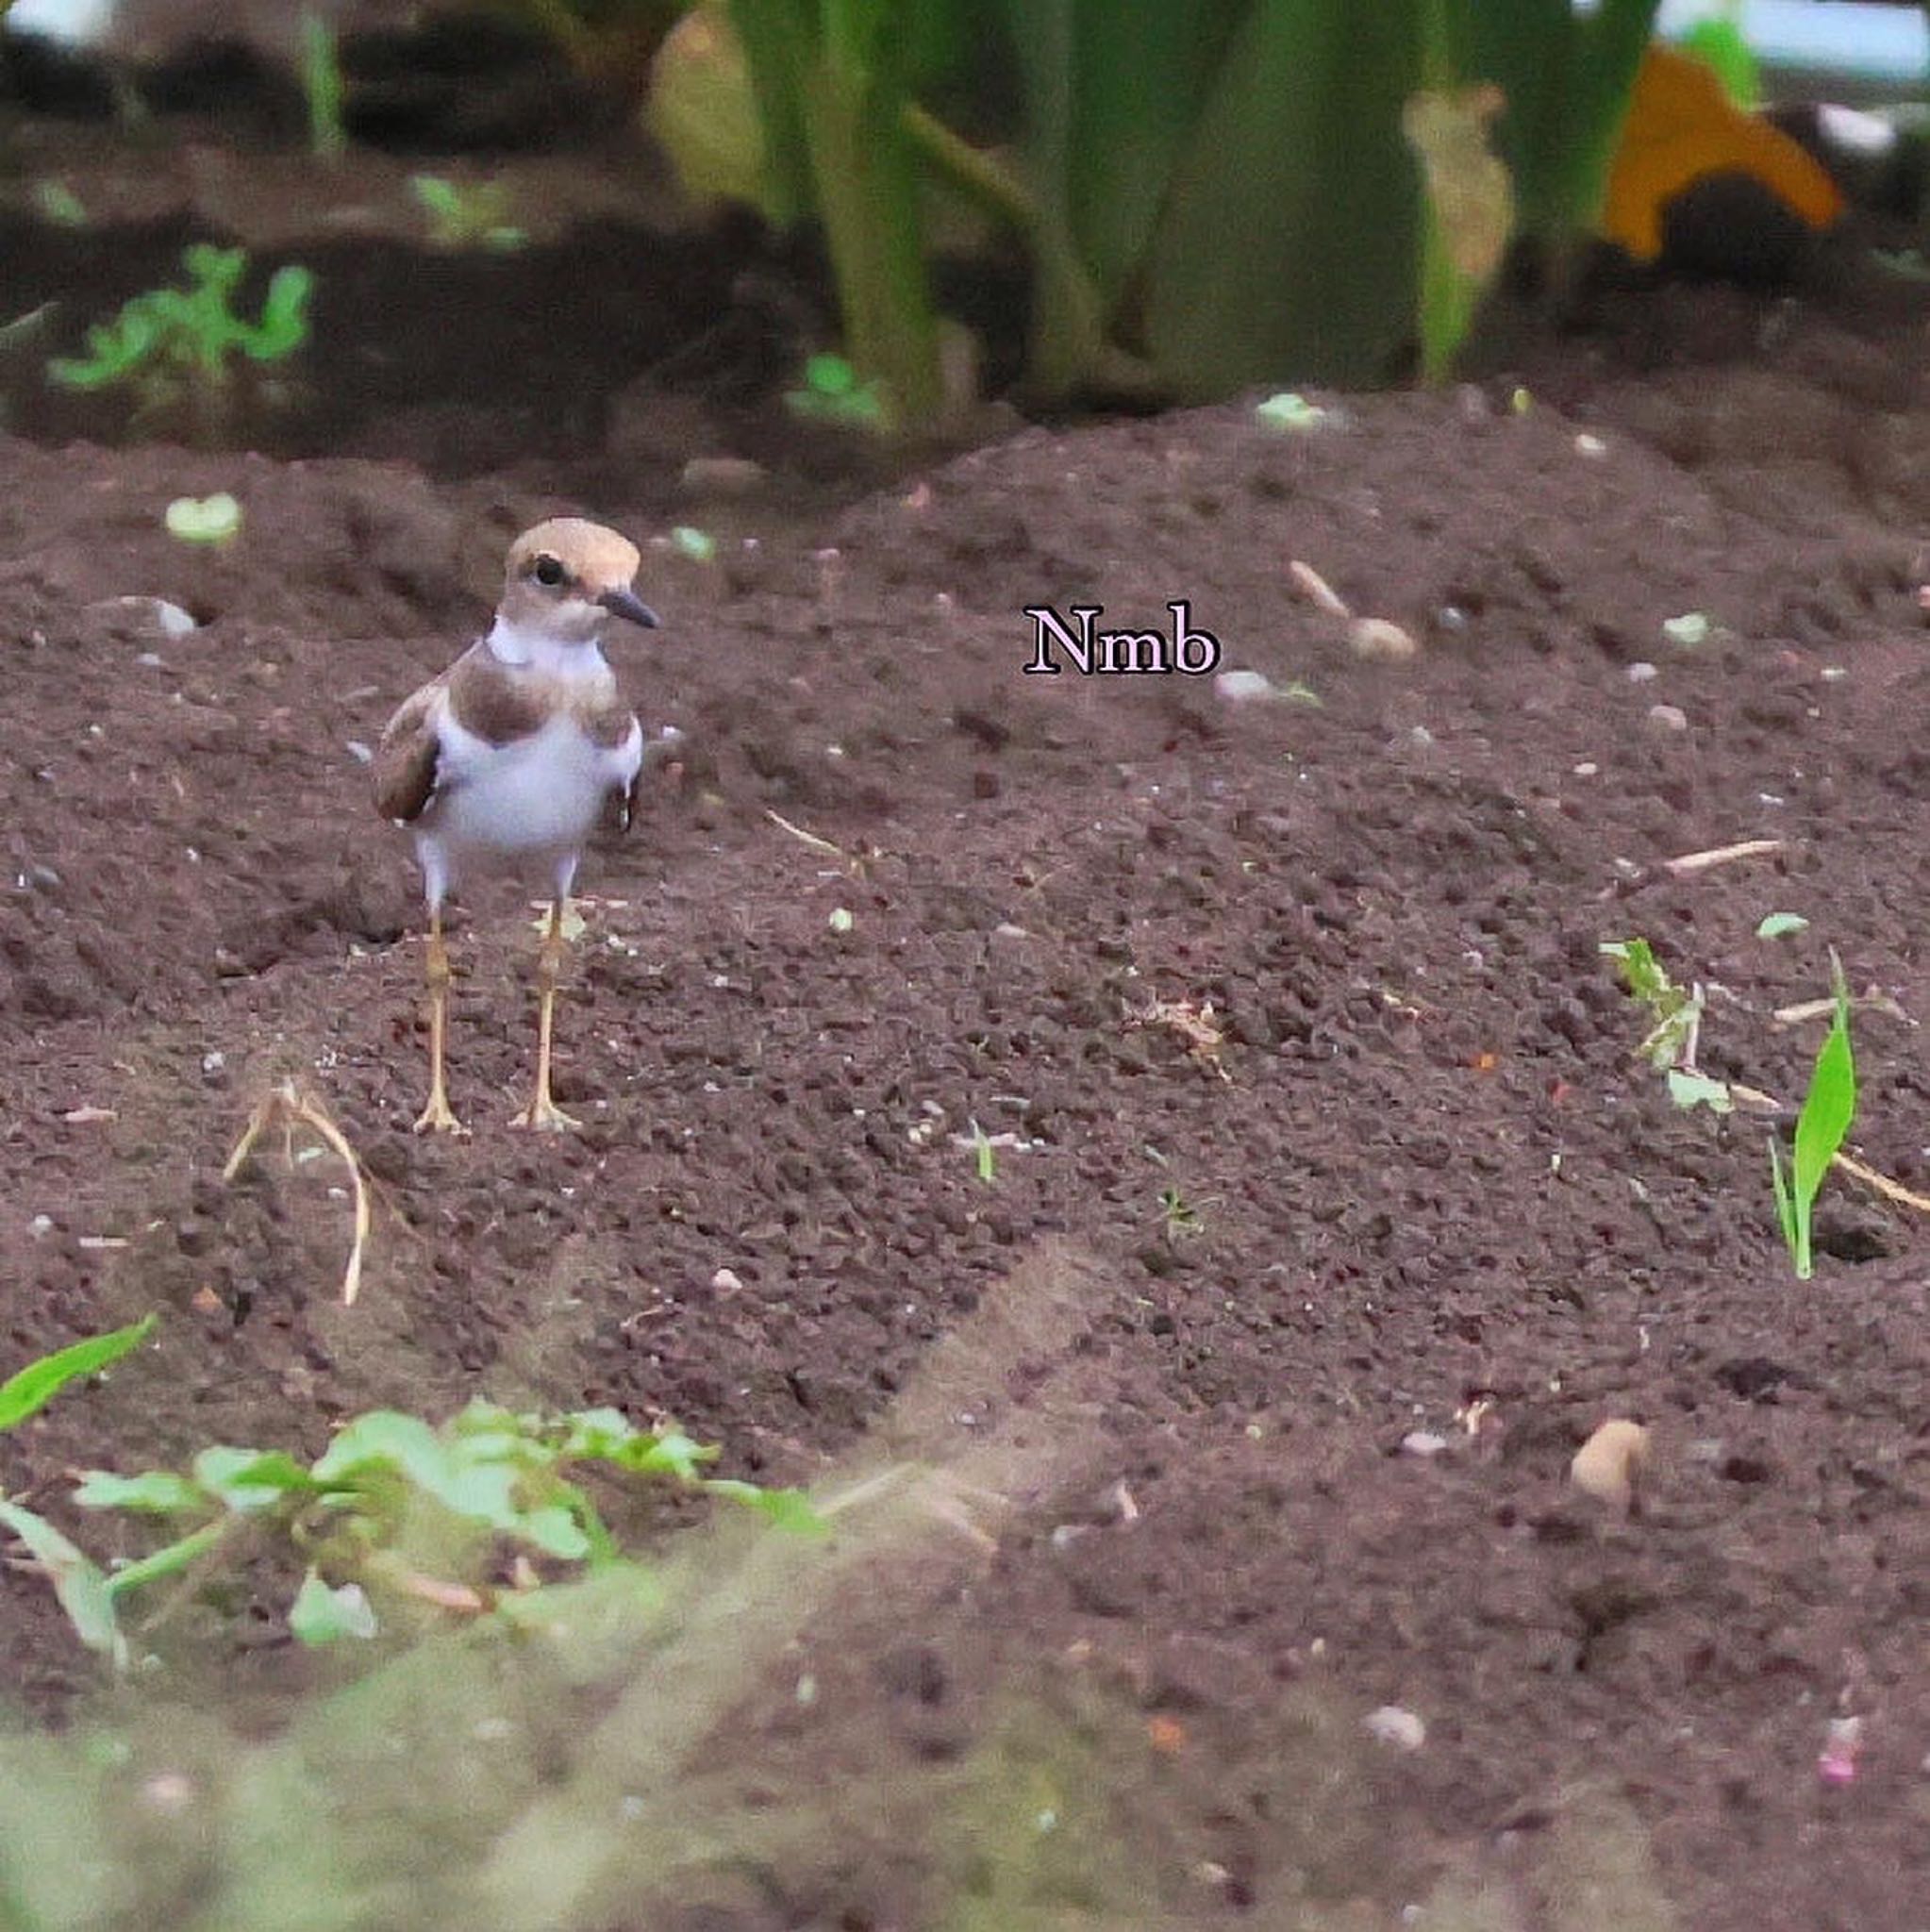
{"x": 700, "y": 546}
{"x": 30, "y": 1391}
{"x": 1181, "y": 1218}
{"x": 55, "y": 201}
{"x": 476, "y": 216}
{"x": 78, "y": 1584}
{"x": 1674, "y": 1013}
{"x": 321, "y": 87}
{"x": 175, "y": 347}
{"x": 1691, "y": 628}
{"x": 1290, "y": 409}
{"x": 984, "y": 1154}
{"x": 832, "y": 393}
{"x": 1675, "y": 1016}
{"x": 215, "y": 519}
{"x": 396, "y": 1509}
{"x": 1821, "y": 1126}
{"x": 1778, "y": 926}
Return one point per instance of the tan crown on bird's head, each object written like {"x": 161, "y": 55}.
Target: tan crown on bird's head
{"x": 568, "y": 577}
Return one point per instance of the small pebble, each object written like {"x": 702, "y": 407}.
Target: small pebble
{"x": 722, "y": 476}
{"x": 1587, "y": 445}
{"x": 1380, "y": 640}
{"x": 1609, "y": 1464}
{"x": 1641, "y": 672}
{"x": 1587, "y": 769}
{"x": 1243, "y": 687}
{"x": 1423, "y": 1442}
{"x": 727, "y": 1281}
{"x": 1402, "y": 1730}
{"x": 148, "y": 614}
{"x": 1669, "y": 717}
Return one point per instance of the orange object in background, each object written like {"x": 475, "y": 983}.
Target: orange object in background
{"x": 1682, "y": 127}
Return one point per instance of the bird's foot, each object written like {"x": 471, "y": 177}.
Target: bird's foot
{"x": 543, "y": 1114}
{"x": 439, "y": 1117}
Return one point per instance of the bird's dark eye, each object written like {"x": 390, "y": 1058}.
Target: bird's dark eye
{"x": 548, "y": 570}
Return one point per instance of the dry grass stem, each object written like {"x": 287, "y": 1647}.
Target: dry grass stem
{"x": 1316, "y": 588}
{"x": 1691, "y": 863}
{"x": 288, "y": 1107}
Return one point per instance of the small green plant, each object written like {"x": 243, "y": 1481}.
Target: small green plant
{"x": 455, "y": 1517}
{"x": 1674, "y": 1013}
{"x": 174, "y": 348}
{"x": 1178, "y": 1215}
{"x": 1821, "y": 1126}
{"x": 54, "y": 201}
{"x": 215, "y": 519}
{"x": 985, "y": 1158}
{"x": 78, "y": 1585}
{"x": 464, "y": 217}
{"x": 321, "y": 87}
{"x": 832, "y": 393}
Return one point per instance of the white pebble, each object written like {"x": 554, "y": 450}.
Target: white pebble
{"x": 1423, "y": 1442}
{"x": 1669, "y": 717}
{"x": 1641, "y": 672}
{"x": 727, "y": 1281}
{"x": 1402, "y": 1730}
{"x": 1241, "y": 687}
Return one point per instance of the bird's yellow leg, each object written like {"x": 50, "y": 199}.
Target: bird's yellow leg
{"x": 436, "y": 1117}
{"x": 542, "y": 1111}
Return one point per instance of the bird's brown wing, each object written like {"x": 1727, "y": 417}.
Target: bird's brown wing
{"x": 405, "y": 768}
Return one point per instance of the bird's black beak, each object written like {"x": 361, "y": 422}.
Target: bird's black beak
{"x": 623, "y": 602}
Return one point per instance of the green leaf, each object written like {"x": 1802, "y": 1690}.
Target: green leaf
{"x": 1777, "y": 926}
{"x": 35, "y": 1386}
{"x": 1794, "y": 1235}
{"x": 788, "y": 1510}
{"x": 1643, "y": 976}
{"x": 553, "y": 1528}
{"x": 78, "y": 1583}
{"x": 169, "y": 1560}
{"x": 1691, "y": 628}
{"x": 155, "y": 1492}
{"x": 250, "y": 1479}
{"x": 214, "y": 518}
{"x": 698, "y": 545}
{"x": 1113, "y": 90}
{"x": 1688, "y": 1089}
{"x": 1288, "y": 246}
{"x": 668, "y": 1451}
{"x": 324, "y": 1615}
{"x": 1289, "y": 409}
{"x": 1720, "y": 45}
{"x": 1828, "y": 1108}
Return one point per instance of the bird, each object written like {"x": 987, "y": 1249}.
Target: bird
{"x": 513, "y": 755}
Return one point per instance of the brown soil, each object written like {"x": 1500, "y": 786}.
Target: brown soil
{"x": 1428, "y": 1186}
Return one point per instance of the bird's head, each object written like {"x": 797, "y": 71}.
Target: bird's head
{"x": 566, "y": 579}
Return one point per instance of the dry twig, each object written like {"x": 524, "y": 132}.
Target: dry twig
{"x": 288, "y": 1107}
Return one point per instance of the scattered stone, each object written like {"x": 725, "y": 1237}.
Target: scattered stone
{"x": 1380, "y": 640}
{"x": 153, "y": 616}
{"x": 1641, "y": 672}
{"x": 1401, "y": 1730}
{"x": 1424, "y": 1443}
{"x": 722, "y": 476}
{"x": 1243, "y": 687}
{"x": 1587, "y": 445}
{"x": 1609, "y": 1464}
{"x": 727, "y": 1281}
{"x": 1668, "y": 717}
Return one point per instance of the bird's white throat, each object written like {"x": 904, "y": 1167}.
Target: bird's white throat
{"x": 531, "y": 647}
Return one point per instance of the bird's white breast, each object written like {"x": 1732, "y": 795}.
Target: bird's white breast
{"x": 540, "y": 794}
